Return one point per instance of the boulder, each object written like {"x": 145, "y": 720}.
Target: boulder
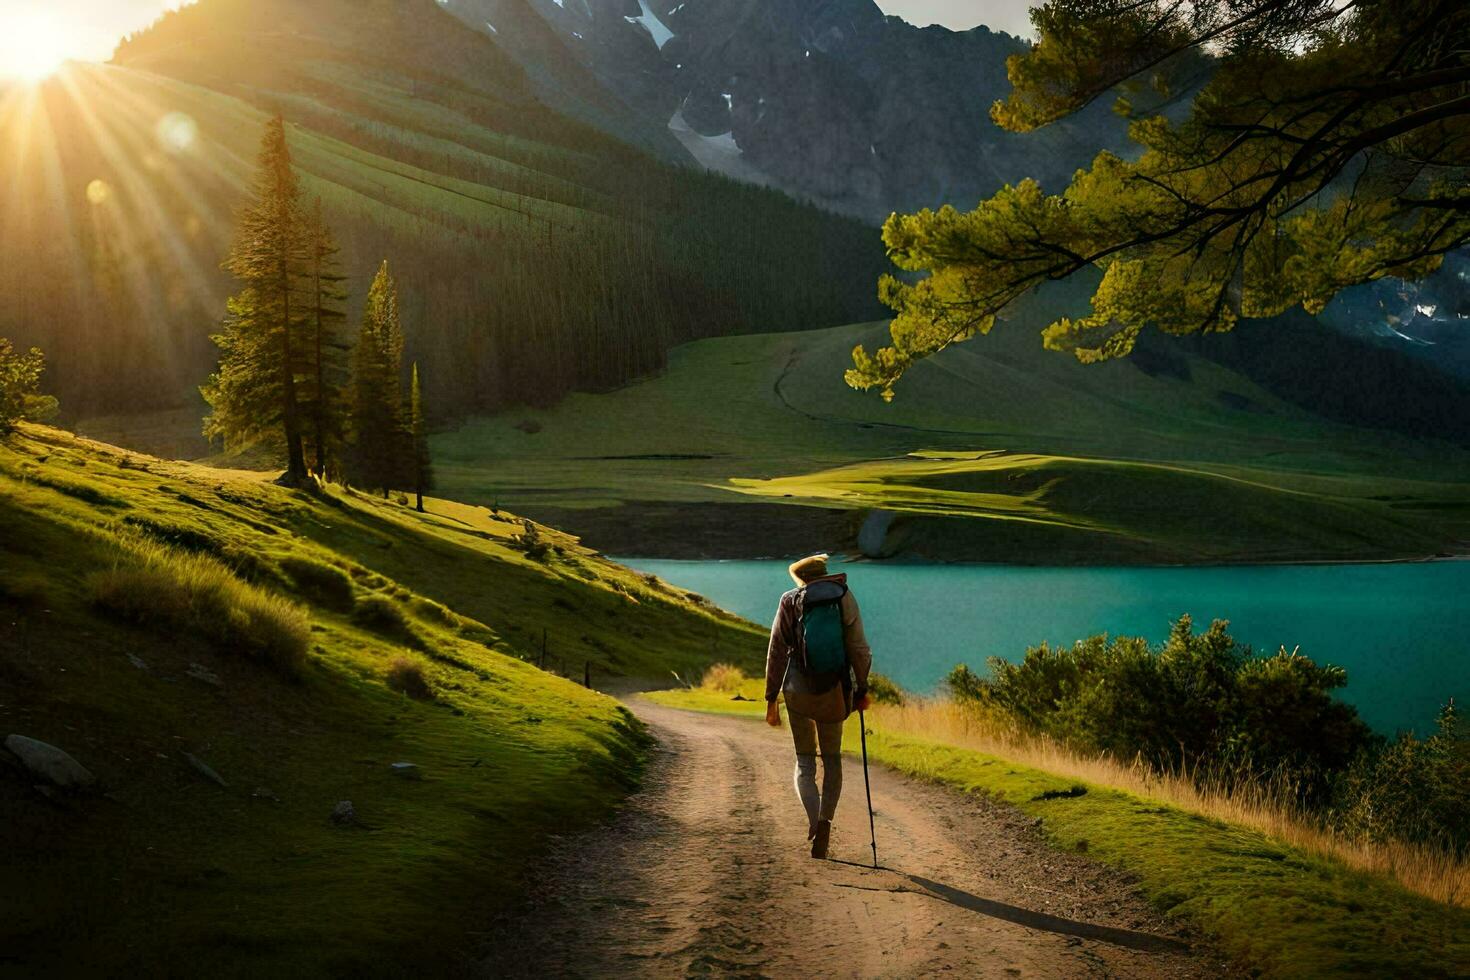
{"x": 406, "y": 770}
{"x": 49, "y": 762}
{"x": 344, "y": 813}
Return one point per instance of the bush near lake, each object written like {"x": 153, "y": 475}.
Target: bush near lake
{"x": 1411, "y": 789}
{"x": 1199, "y": 702}
{"x": 1204, "y": 708}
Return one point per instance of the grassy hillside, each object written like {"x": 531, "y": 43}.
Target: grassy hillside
{"x": 1058, "y": 461}
{"x": 537, "y": 254}
{"x": 153, "y": 614}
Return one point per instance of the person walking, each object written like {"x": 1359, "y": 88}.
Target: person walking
{"x": 819, "y": 660}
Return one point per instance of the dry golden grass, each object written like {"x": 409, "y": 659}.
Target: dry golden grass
{"x": 1428, "y": 871}
{"x": 164, "y": 588}
{"x": 723, "y": 678}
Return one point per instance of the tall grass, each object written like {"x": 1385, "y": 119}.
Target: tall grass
{"x": 1259, "y": 804}
{"x": 161, "y": 587}
{"x": 723, "y": 679}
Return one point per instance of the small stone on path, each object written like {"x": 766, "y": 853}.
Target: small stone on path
{"x": 344, "y": 813}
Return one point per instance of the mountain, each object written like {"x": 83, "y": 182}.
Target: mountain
{"x": 830, "y": 100}
{"x": 537, "y": 254}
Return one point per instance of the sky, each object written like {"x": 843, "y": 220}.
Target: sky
{"x": 1010, "y": 16}
{"x": 91, "y": 28}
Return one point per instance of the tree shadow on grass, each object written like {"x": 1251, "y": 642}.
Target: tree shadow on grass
{"x": 1146, "y": 942}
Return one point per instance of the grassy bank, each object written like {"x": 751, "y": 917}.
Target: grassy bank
{"x": 1271, "y": 894}
{"x": 1001, "y": 451}
{"x": 232, "y": 660}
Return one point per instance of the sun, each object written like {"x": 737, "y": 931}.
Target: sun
{"x": 33, "y": 45}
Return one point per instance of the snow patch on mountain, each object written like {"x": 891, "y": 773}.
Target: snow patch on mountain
{"x": 649, "y": 21}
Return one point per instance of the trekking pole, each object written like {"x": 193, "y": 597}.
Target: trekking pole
{"x": 872, "y": 829}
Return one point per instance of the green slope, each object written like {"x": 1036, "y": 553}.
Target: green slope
{"x": 536, "y": 254}
{"x": 165, "y": 872}
{"x": 1053, "y": 461}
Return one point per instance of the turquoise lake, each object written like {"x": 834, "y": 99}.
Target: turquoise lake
{"x": 1402, "y": 631}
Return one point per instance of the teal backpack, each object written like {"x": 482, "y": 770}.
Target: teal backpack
{"x": 821, "y": 627}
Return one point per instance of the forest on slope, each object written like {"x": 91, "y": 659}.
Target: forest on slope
{"x": 536, "y": 255}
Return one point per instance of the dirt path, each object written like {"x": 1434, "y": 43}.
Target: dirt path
{"x": 706, "y": 873}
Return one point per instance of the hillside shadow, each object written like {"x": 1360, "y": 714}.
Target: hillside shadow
{"x": 1031, "y": 919}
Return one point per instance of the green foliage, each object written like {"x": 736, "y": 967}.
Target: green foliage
{"x": 165, "y": 589}
{"x": 422, "y": 463}
{"x": 379, "y": 437}
{"x": 531, "y": 541}
{"x": 20, "y": 380}
{"x": 1299, "y": 172}
{"x": 326, "y": 585}
{"x": 326, "y": 352}
{"x": 254, "y": 395}
{"x": 1197, "y": 703}
{"x": 883, "y": 690}
{"x": 1413, "y": 789}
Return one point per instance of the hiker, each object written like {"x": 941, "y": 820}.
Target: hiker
{"x": 819, "y": 659}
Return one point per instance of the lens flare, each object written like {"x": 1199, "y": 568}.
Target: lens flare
{"x": 176, "y": 132}
{"x": 33, "y": 45}
{"x": 98, "y": 191}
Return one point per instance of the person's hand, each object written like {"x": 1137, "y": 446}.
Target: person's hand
{"x": 773, "y": 714}
{"x": 862, "y": 702}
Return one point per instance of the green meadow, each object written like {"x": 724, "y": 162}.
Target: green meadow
{"x": 996, "y": 450}
{"x": 298, "y": 646}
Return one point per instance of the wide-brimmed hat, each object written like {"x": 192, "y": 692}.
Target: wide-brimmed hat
{"x": 808, "y": 569}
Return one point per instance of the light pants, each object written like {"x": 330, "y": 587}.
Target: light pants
{"x": 811, "y": 736}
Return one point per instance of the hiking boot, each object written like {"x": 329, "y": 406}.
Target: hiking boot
{"x": 821, "y": 838}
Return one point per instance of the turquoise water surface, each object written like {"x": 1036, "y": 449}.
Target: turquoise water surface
{"x": 1402, "y": 631}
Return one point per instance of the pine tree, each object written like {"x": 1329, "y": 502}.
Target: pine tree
{"x": 254, "y": 395}
{"x": 378, "y": 432}
{"x": 423, "y": 466}
{"x": 321, "y": 392}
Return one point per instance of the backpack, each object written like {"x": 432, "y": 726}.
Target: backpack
{"x": 821, "y": 629}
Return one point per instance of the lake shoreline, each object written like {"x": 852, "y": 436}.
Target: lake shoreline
{"x": 1395, "y": 627}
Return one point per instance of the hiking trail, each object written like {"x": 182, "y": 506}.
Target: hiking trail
{"x": 706, "y": 872}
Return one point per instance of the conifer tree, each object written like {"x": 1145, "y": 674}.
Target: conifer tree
{"x": 423, "y": 466}
{"x": 378, "y": 431}
{"x": 254, "y": 395}
{"x": 326, "y": 353}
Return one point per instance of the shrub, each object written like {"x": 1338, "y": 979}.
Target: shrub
{"x": 724, "y": 678}
{"x": 382, "y": 615}
{"x": 20, "y": 380}
{"x": 326, "y": 585}
{"x": 531, "y": 542}
{"x": 884, "y": 691}
{"x": 1199, "y": 702}
{"x": 167, "y": 589}
{"x": 1411, "y": 789}
{"x": 406, "y": 676}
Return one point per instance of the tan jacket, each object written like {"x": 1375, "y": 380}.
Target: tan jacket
{"x": 832, "y": 705}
